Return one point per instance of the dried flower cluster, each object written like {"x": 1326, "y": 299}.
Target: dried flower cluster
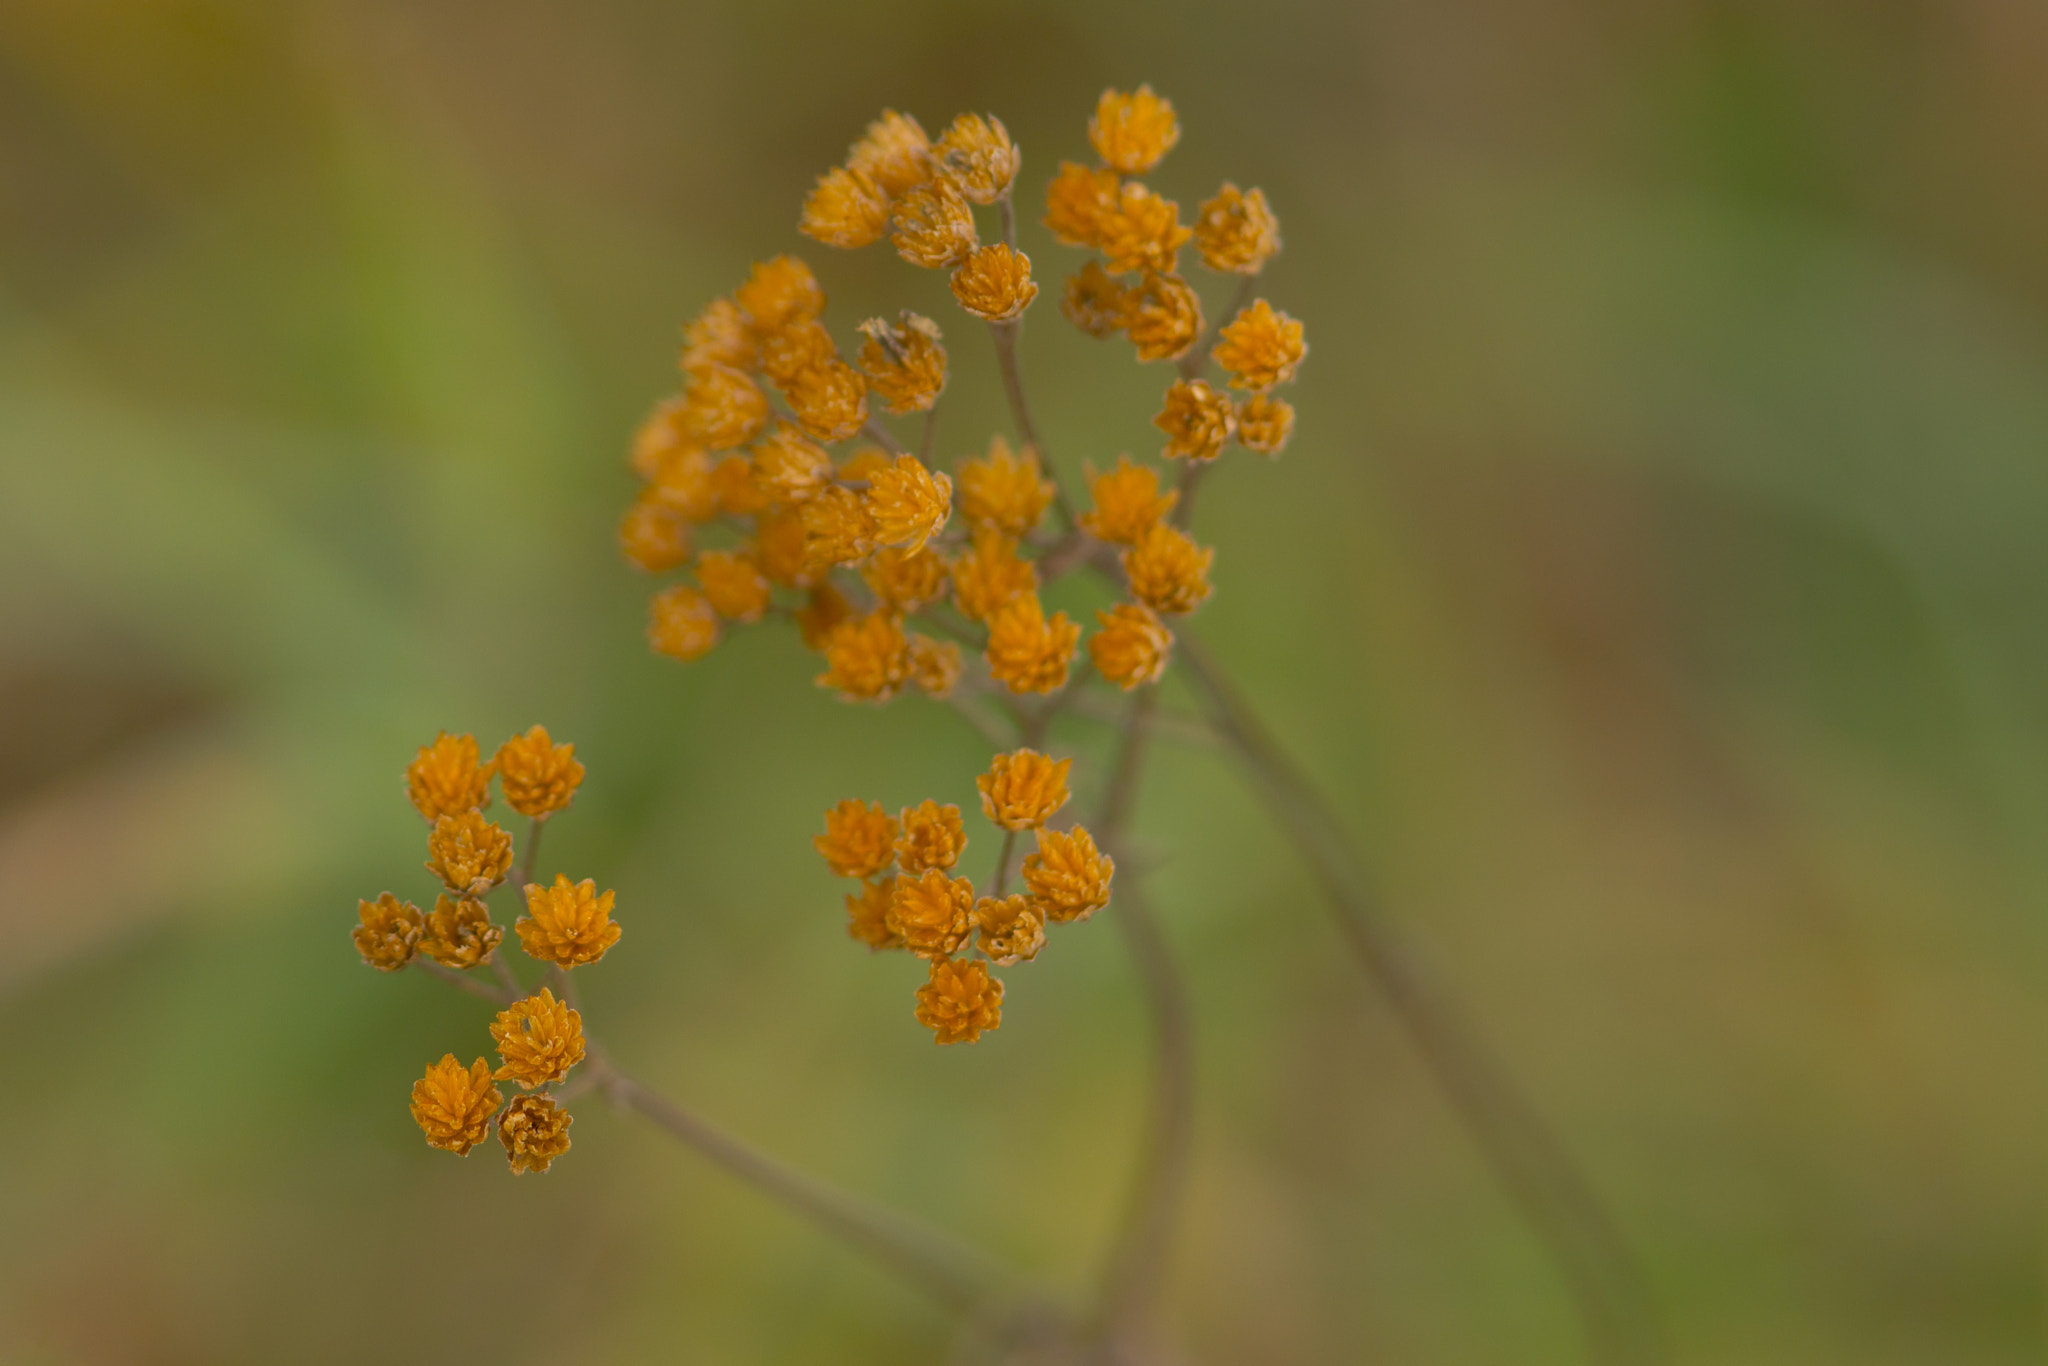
{"x": 539, "y": 1037}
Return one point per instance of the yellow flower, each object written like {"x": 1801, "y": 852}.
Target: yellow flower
{"x": 908, "y": 502}
{"x": 934, "y": 226}
{"x": 960, "y": 1001}
{"x": 534, "y": 1131}
{"x": 1076, "y": 201}
{"x": 863, "y": 463}
{"x": 1004, "y": 492}
{"x": 931, "y": 837}
{"x": 540, "y": 1039}
{"x": 905, "y": 364}
{"x": 723, "y": 407}
{"x": 733, "y": 584}
{"x": 1097, "y": 302}
{"x": 470, "y": 855}
{"x": 867, "y": 914}
{"x": 389, "y": 933}
{"x": 659, "y": 436}
{"x": 866, "y": 658}
{"x": 1068, "y": 876}
{"x": 1021, "y": 790}
{"x": 991, "y": 575}
{"x": 977, "y": 155}
{"x": 681, "y": 624}
{"x": 932, "y": 914}
{"x": 905, "y": 580}
{"x": 848, "y": 209}
{"x": 1132, "y": 132}
{"x": 859, "y": 839}
{"x": 1236, "y": 231}
{"x": 653, "y": 537}
{"x": 1128, "y": 502}
{"x": 718, "y": 336}
{"x": 460, "y": 933}
{"x": 995, "y": 283}
{"x": 894, "y": 151}
{"x": 453, "y": 1104}
{"x": 1026, "y": 652}
{"x": 831, "y": 400}
{"x": 1264, "y": 423}
{"x": 934, "y": 665}
{"x": 1012, "y": 929}
{"x": 568, "y": 924}
{"x": 821, "y": 613}
{"x": 733, "y": 487}
{"x": 1141, "y": 231}
{"x": 1133, "y": 646}
{"x": 681, "y": 482}
{"x": 1260, "y": 347}
{"x": 789, "y": 467}
{"x": 537, "y": 776}
{"x": 837, "y": 529}
{"x": 782, "y": 547}
{"x": 1168, "y": 572}
{"x": 796, "y": 348}
{"x": 1163, "y": 318}
{"x": 778, "y": 291}
{"x": 1197, "y": 419}
{"x": 446, "y": 779}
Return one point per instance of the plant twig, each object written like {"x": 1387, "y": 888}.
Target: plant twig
{"x": 456, "y": 978}
{"x": 1005, "y": 335}
{"x": 1001, "y": 881}
{"x": 881, "y": 436}
{"x": 929, "y": 439}
{"x": 1197, "y": 358}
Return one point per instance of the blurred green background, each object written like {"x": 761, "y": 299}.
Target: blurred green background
{"x": 1657, "y": 581}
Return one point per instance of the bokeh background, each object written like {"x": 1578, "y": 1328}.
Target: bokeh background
{"x": 1656, "y": 583}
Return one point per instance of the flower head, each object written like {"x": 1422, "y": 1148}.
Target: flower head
{"x": 460, "y": 933}
{"x": 830, "y": 399}
{"x": 1236, "y": 231}
{"x": 796, "y": 348}
{"x": 1128, "y": 502}
{"x": 568, "y": 924}
{"x": 1132, "y": 132}
{"x": 1168, "y": 571}
{"x": 894, "y": 151}
{"x": 1002, "y": 491}
{"x": 821, "y": 613}
{"x": 681, "y": 482}
{"x": 682, "y": 624}
{"x": 782, "y": 546}
{"x": 734, "y": 491}
{"x": 723, "y": 407}
{"x": 718, "y": 336}
{"x": 789, "y": 467}
{"x": 446, "y": 778}
{"x": 1133, "y": 646}
{"x": 1197, "y": 419}
{"x": 540, "y": 1039}
{"x": 960, "y": 1001}
{"x": 1264, "y": 423}
{"x": 1011, "y": 929}
{"x": 535, "y": 1131}
{"x": 733, "y": 584}
{"x": 847, "y": 209}
{"x": 453, "y": 1104}
{"x": 389, "y": 932}
{"x": 990, "y": 575}
{"x": 995, "y": 283}
{"x": 1026, "y": 651}
{"x": 905, "y": 364}
{"x": 867, "y": 914}
{"x": 977, "y": 155}
{"x": 931, "y": 913}
{"x": 934, "y": 665}
{"x": 838, "y": 529}
{"x": 1163, "y": 318}
{"x": 908, "y": 502}
{"x": 859, "y": 839}
{"x": 1076, "y": 201}
{"x": 538, "y": 776}
{"x": 778, "y": 291}
{"x": 469, "y": 854}
{"x": 1260, "y": 347}
{"x": 905, "y": 580}
{"x": 932, "y": 837}
{"x": 1022, "y": 790}
{"x": 867, "y": 658}
{"x": 658, "y": 436}
{"x": 653, "y": 536}
{"x": 1097, "y": 302}
{"x": 1141, "y": 231}
{"x": 1068, "y": 876}
{"x": 934, "y": 226}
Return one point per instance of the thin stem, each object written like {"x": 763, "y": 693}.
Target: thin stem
{"x": 1005, "y": 335}
{"x": 880, "y": 435}
{"x": 1189, "y": 485}
{"x": 1009, "y": 212}
{"x": 532, "y": 855}
{"x": 929, "y": 440}
{"x": 1197, "y": 358}
{"x": 1001, "y": 881}
{"x": 463, "y": 980}
{"x": 507, "y": 979}
{"x": 1556, "y": 1197}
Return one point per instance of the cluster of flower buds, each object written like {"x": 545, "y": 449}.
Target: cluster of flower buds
{"x": 566, "y": 925}
{"x": 909, "y": 899}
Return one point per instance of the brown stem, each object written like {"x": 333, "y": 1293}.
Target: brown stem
{"x": 1197, "y": 358}
{"x": 929, "y": 440}
{"x": 1006, "y": 335}
{"x": 880, "y": 435}
{"x": 1001, "y": 881}
{"x": 532, "y": 855}
{"x": 467, "y": 983}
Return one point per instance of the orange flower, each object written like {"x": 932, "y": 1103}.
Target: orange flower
{"x": 718, "y": 336}
{"x": 796, "y": 348}
{"x": 540, "y": 1039}
{"x": 789, "y": 467}
{"x": 837, "y": 529}
{"x": 778, "y": 291}
{"x": 823, "y": 611}
{"x": 723, "y": 407}
{"x": 1076, "y": 201}
{"x": 995, "y": 283}
{"x": 1168, "y": 571}
{"x": 960, "y": 1001}
{"x": 1021, "y": 790}
{"x": 908, "y": 502}
{"x": 1260, "y": 347}
{"x": 460, "y": 933}
{"x": 894, "y": 151}
{"x": 848, "y": 209}
{"x": 1164, "y": 317}
{"x": 470, "y": 855}
{"x": 1012, "y": 930}
{"x": 932, "y": 914}
{"x": 859, "y": 839}
{"x": 978, "y": 156}
{"x": 905, "y": 364}
{"x": 1141, "y": 231}
{"x": 453, "y": 1104}
{"x": 782, "y": 547}
{"x": 934, "y": 226}
{"x": 1132, "y": 647}
{"x": 867, "y": 914}
{"x": 1068, "y": 876}
{"x": 1132, "y": 132}
{"x": 866, "y": 658}
{"x": 1264, "y": 423}
{"x": 1197, "y": 420}
{"x": 681, "y": 624}
{"x": 653, "y": 537}
{"x": 535, "y": 1131}
{"x": 932, "y": 837}
{"x": 831, "y": 400}
{"x": 681, "y": 482}
{"x": 1128, "y": 502}
{"x": 863, "y": 463}
{"x": 990, "y": 576}
{"x": 657, "y": 437}
{"x": 1096, "y": 302}
{"x": 445, "y": 778}
{"x": 1236, "y": 232}
{"x": 1004, "y": 492}
{"x": 934, "y": 665}
{"x": 733, "y": 584}
{"x": 733, "y": 487}
{"x": 389, "y": 932}
{"x": 905, "y": 580}
{"x": 568, "y": 924}
{"x": 1027, "y": 652}
{"x": 537, "y": 775}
